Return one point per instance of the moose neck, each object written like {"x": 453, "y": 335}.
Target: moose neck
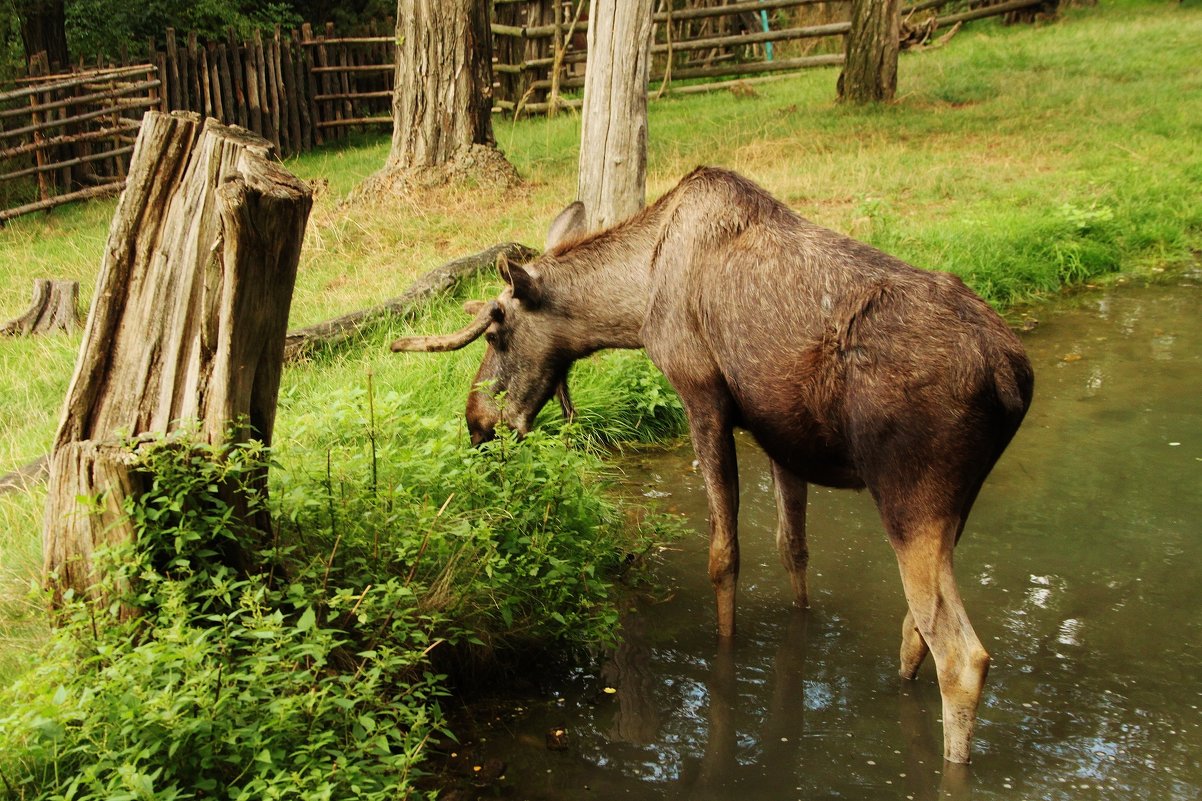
{"x": 601, "y": 282}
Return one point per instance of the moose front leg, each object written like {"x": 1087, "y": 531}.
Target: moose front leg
{"x": 713, "y": 441}
{"x": 791, "y": 530}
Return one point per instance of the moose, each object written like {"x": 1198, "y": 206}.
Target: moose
{"x": 849, "y": 367}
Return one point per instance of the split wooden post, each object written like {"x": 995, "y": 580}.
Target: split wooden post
{"x": 53, "y": 308}
{"x": 187, "y": 324}
{"x": 613, "y": 139}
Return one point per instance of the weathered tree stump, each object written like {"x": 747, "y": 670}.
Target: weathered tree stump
{"x": 613, "y": 138}
{"x": 870, "y": 67}
{"x": 53, "y": 309}
{"x": 186, "y": 329}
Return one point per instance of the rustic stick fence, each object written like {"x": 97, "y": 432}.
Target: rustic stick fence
{"x": 67, "y": 137}
{"x": 71, "y": 135}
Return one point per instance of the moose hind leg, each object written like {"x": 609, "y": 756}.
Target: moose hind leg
{"x": 924, "y": 556}
{"x": 791, "y": 530}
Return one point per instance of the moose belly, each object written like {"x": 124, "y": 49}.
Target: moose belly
{"x": 803, "y": 445}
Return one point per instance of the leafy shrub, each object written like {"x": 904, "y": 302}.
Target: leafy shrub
{"x": 310, "y": 676}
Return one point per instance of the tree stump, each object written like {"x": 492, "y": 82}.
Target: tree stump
{"x": 53, "y": 309}
{"x": 613, "y": 138}
{"x": 186, "y": 329}
{"x": 870, "y": 67}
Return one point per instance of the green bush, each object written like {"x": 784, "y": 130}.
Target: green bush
{"x": 312, "y": 674}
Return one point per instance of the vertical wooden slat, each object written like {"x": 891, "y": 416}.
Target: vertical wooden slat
{"x": 254, "y": 109}
{"x": 214, "y": 81}
{"x": 38, "y": 66}
{"x": 281, "y": 97}
{"x": 261, "y": 75}
{"x": 237, "y": 73}
{"x": 197, "y": 101}
{"x": 292, "y": 90}
{"x": 311, "y": 84}
{"x": 207, "y": 107}
{"x": 229, "y": 105}
{"x": 175, "y": 96}
{"x": 329, "y": 109}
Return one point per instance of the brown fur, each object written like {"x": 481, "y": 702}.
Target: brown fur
{"x": 850, "y": 367}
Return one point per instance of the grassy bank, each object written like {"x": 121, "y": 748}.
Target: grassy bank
{"x": 1021, "y": 158}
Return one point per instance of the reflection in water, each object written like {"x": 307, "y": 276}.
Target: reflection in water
{"x": 1079, "y": 567}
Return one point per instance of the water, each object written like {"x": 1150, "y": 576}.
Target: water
{"x": 1080, "y": 567}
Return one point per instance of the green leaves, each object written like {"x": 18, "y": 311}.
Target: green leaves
{"x": 310, "y": 675}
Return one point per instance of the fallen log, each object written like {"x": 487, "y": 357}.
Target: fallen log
{"x": 53, "y": 309}
{"x": 26, "y": 477}
{"x": 439, "y": 280}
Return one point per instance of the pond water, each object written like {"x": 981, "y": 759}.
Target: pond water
{"x": 1081, "y": 568}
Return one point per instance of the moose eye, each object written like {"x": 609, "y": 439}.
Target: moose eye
{"x": 491, "y": 338}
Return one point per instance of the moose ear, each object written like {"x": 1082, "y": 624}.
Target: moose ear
{"x": 527, "y": 286}
{"x": 571, "y": 223}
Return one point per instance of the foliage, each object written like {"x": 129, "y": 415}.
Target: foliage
{"x": 311, "y": 677}
{"x": 104, "y": 27}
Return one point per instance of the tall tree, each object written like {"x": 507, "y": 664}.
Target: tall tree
{"x": 870, "y": 70}
{"x": 44, "y": 28}
{"x": 442, "y": 101}
{"x": 613, "y": 139}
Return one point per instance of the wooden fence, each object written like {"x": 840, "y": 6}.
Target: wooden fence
{"x": 64, "y": 137}
{"x": 70, "y": 136}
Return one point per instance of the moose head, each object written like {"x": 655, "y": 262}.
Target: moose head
{"x": 529, "y": 347}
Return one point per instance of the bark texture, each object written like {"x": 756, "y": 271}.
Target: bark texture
{"x": 44, "y": 30}
{"x": 870, "y": 69}
{"x": 442, "y": 103}
{"x": 53, "y": 309}
{"x": 613, "y": 138}
{"x": 187, "y": 324}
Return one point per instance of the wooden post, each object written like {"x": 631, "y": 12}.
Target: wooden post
{"x": 193, "y": 63}
{"x": 292, "y": 91}
{"x": 613, "y": 138}
{"x": 171, "y": 79}
{"x": 311, "y": 82}
{"x": 253, "y": 102}
{"x": 237, "y": 72}
{"x": 37, "y": 66}
{"x": 187, "y": 323}
{"x": 870, "y": 69}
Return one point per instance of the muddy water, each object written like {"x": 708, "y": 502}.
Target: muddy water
{"x": 1081, "y": 568}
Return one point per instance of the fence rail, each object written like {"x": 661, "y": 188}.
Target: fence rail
{"x": 71, "y": 135}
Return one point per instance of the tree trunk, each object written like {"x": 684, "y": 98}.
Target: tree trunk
{"x": 53, "y": 309}
{"x": 442, "y": 101}
{"x": 870, "y": 70}
{"x": 187, "y": 324}
{"x": 613, "y": 138}
{"x": 44, "y": 29}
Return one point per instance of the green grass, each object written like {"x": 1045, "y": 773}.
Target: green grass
{"x": 1021, "y": 158}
